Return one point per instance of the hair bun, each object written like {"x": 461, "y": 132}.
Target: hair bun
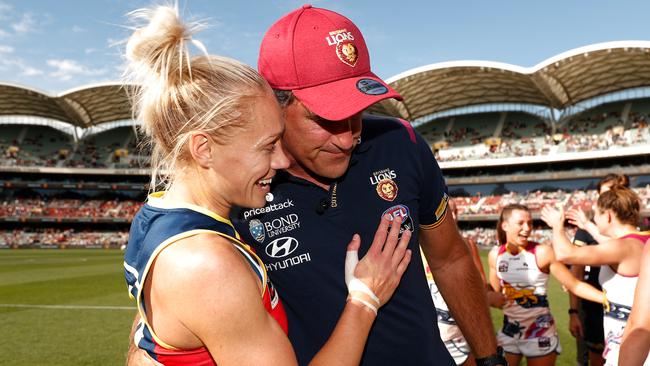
{"x": 159, "y": 45}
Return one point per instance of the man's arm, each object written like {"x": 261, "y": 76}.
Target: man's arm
{"x": 495, "y": 299}
{"x": 575, "y": 324}
{"x": 451, "y": 264}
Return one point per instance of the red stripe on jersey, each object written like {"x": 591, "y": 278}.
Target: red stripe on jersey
{"x": 409, "y": 128}
{"x": 638, "y": 236}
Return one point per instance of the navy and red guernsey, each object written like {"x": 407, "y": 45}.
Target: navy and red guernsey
{"x": 158, "y": 224}
{"x": 302, "y": 236}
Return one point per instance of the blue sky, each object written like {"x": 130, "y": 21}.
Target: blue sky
{"x": 58, "y": 45}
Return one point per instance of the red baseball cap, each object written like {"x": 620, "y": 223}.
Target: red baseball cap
{"x": 322, "y": 58}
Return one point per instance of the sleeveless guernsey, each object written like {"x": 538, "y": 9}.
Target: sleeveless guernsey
{"x": 449, "y": 330}
{"x": 159, "y": 224}
{"x": 526, "y": 313}
{"x": 619, "y": 290}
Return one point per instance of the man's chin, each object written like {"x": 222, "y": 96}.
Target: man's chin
{"x": 332, "y": 170}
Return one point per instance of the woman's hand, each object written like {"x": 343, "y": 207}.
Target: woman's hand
{"x": 553, "y": 217}
{"x": 381, "y": 269}
{"x": 578, "y": 218}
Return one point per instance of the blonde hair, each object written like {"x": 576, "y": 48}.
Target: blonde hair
{"x": 177, "y": 93}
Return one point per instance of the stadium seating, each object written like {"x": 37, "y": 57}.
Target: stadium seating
{"x": 492, "y": 205}
{"x": 98, "y": 150}
{"x": 68, "y": 208}
{"x": 613, "y": 125}
{"x": 62, "y": 238}
{"x": 29, "y": 145}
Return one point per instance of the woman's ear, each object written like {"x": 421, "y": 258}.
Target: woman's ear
{"x": 200, "y": 146}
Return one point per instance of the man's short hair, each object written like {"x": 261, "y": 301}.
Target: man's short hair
{"x": 284, "y": 97}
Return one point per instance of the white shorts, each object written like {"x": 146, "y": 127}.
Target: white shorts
{"x": 458, "y": 349}
{"x": 611, "y": 353}
{"x": 531, "y": 347}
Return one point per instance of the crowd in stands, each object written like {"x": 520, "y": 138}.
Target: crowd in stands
{"x": 62, "y": 238}
{"x": 470, "y": 140}
{"x": 492, "y": 205}
{"x": 69, "y": 208}
{"x": 600, "y": 131}
{"x": 483, "y": 236}
{"x": 467, "y": 206}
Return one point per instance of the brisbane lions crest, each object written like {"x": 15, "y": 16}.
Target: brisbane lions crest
{"x": 345, "y": 49}
{"x": 387, "y": 189}
{"x": 347, "y": 52}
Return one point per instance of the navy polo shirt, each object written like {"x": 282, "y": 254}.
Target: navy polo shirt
{"x": 302, "y": 236}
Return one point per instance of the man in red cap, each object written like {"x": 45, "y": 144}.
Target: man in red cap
{"x": 347, "y": 170}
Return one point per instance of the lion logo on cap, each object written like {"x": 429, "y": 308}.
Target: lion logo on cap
{"x": 347, "y": 52}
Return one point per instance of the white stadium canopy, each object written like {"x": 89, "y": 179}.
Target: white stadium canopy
{"x": 83, "y": 107}
{"x": 558, "y": 82}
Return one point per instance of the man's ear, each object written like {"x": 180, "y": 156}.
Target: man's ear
{"x": 200, "y": 146}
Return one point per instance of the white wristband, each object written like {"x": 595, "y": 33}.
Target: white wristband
{"x": 363, "y": 302}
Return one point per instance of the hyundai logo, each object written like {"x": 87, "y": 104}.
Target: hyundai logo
{"x": 281, "y": 247}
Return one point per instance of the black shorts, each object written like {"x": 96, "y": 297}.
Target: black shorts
{"x": 592, "y": 324}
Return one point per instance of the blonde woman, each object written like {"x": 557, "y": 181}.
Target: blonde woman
{"x": 203, "y": 295}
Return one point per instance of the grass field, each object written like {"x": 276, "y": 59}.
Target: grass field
{"x": 89, "y": 321}
{"x": 70, "y": 307}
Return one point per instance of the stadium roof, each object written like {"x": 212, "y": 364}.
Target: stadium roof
{"x": 83, "y": 107}
{"x": 558, "y": 82}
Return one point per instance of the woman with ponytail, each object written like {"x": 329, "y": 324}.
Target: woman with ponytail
{"x": 520, "y": 269}
{"x": 203, "y": 295}
{"x": 616, "y": 216}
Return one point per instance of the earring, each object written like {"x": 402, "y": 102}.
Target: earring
{"x": 358, "y": 140}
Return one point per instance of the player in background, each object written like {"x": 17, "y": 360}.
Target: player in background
{"x": 520, "y": 269}
{"x": 449, "y": 331}
{"x": 616, "y": 216}
{"x": 586, "y": 317}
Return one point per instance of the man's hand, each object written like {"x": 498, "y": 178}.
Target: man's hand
{"x": 496, "y": 299}
{"x": 575, "y": 326}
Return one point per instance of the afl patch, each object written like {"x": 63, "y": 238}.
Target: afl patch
{"x": 403, "y": 212}
{"x": 544, "y": 342}
{"x": 503, "y": 266}
{"x": 387, "y": 189}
